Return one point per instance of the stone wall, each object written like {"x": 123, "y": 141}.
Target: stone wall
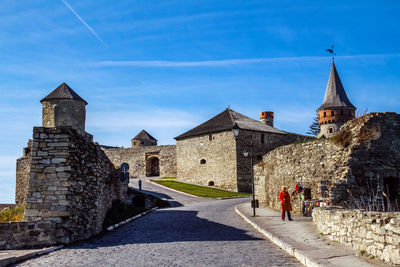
{"x": 64, "y": 112}
{"x": 262, "y": 143}
{"x": 376, "y": 233}
{"x": 208, "y": 158}
{"x": 72, "y": 183}
{"x": 14, "y": 235}
{"x": 225, "y": 163}
{"x": 22, "y": 175}
{"x": 137, "y": 158}
{"x": 363, "y": 158}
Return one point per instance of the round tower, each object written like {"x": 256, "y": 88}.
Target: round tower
{"x": 143, "y": 139}
{"x": 64, "y": 107}
{"x": 267, "y": 117}
{"x": 336, "y": 108}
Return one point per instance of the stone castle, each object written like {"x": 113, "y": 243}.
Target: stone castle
{"x": 208, "y": 154}
{"x": 68, "y": 182}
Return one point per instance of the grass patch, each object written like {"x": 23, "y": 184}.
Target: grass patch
{"x": 168, "y": 178}
{"x": 200, "y": 191}
{"x": 12, "y": 215}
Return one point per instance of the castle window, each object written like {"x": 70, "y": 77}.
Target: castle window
{"x": 211, "y": 183}
{"x": 210, "y": 137}
{"x": 324, "y": 114}
{"x": 330, "y": 130}
{"x": 202, "y": 161}
{"x": 333, "y": 113}
{"x": 142, "y": 143}
{"x": 262, "y": 138}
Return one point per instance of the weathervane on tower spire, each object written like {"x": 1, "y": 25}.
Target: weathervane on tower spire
{"x": 330, "y": 51}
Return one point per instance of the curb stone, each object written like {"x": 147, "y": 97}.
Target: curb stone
{"x": 8, "y": 261}
{"x": 299, "y": 255}
{"x": 115, "y": 226}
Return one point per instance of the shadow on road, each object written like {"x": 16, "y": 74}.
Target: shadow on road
{"x": 168, "y": 225}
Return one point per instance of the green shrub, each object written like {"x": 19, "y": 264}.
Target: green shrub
{"x": 15, "y": 214}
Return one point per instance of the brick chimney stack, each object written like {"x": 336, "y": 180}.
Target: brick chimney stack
{"x": 267, "y": 117}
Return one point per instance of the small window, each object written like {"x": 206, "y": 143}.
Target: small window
{"x": 211, "y": 183}
{"x": 330, "y": 130}
{"x": 324, "y": 114}
{"x": 210, "y": 137}
{"x": 202, "y": 161}
{"x": 333, "y": 113}
{"x": 262, "y": 139}
{"x": 142, "y": 143}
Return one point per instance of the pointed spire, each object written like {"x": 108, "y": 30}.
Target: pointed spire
{"x": 335, "y": 95}
{"x": 63, "y": 92}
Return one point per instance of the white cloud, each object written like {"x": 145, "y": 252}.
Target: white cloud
{"x": 224, "y": 62}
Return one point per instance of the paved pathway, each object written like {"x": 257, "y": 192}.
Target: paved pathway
{"x": 194, "y": 232}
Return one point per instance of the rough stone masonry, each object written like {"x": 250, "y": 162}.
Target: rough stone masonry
{"x": 364, "y": 157}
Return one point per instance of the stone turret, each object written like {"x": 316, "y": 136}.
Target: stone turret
{"x": 336, "y": 108}
{"x": 64, "y": 107}
{"x": 267, "y": 117}
{"x": 143, "y": 139}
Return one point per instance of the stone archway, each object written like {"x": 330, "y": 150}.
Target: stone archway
{"x": 153, "y": 166}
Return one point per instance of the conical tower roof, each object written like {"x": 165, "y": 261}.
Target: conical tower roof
{"x": 63, "y": 92}
{"x": 335, "y": 95}
{"x": 143, "y": 135}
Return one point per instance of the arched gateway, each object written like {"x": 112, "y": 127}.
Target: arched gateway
{"x": 152, "y": 166}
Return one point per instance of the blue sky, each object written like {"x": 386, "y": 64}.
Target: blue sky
{"x": 166, "y": 66}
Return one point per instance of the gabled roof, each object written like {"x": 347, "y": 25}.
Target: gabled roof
{"x": 335, "y": 95}
{"x": 225, "y": 120}
{"x": 63, "y": 92}
{"x": 143, "y": 135}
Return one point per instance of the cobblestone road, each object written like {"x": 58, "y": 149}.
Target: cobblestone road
{"x": 195, "y": 232}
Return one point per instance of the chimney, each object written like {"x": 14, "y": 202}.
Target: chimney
{"x": 267, "y": 117}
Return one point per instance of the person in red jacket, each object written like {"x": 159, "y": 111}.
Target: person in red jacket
{"x": 286, "y": 206}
